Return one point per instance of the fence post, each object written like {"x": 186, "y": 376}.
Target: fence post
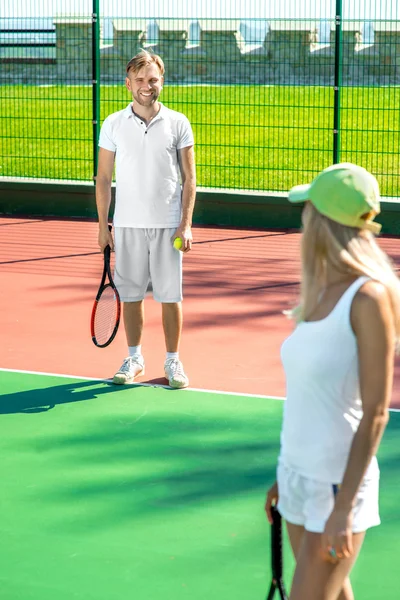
{"x": 95, "y": 82}
{"x": 337, "y": 82}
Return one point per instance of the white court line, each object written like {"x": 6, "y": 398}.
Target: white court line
{"x": 135, "y": 384}
{"x": 138, "y": 384}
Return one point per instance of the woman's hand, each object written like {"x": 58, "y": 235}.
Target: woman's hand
{"x": 272, "y": 500}
{"x": 337, "y": 539}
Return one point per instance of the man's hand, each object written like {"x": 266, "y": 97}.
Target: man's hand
{"x": 185, "y": 233}
{"x": 105, "y": 238}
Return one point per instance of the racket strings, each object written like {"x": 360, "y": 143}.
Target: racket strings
{"x": 106, "y": 316}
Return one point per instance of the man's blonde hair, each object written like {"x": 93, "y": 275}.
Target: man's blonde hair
{"x": 145, "y": 59}
{"x": 348, "y": 250}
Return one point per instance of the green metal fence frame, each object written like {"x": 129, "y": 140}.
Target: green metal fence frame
{"x": 337, "y": 82}
{"x": 331, "y": 136}
{"x": 96, "y": 81}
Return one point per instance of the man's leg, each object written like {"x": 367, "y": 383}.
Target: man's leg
{"x": 166, "y": 276}
{"x": 133, "y": 365}
{"x": 133, "y": 321}
{"x": 172, "y": 324}
{"x": 131, "y": 277}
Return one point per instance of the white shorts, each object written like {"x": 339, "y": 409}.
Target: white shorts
{"x": 144, "y": 254}
{"x": 304, "y": 501}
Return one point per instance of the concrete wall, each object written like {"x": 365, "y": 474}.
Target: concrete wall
{"x": 287, "y": 52}
{"x": 74, "y": 48}
{"x": 213, "y": 207}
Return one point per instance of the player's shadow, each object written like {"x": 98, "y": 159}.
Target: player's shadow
{"x": 158, "y": 381}
{"x": 42, "y": 400}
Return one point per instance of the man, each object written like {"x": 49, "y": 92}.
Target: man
{"x": 152, "y": 147}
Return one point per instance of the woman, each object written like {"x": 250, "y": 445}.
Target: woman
{"x": 339, "y": 369}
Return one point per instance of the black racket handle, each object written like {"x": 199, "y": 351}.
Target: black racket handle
{"x": 276, "y": 545}
{"x": 107, "y": 249}
{"x": 272, "y": 591}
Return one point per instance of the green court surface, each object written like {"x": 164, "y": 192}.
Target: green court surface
{"x": 146, "y": 493}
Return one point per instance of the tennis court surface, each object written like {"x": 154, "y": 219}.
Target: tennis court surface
{"x": 141, "y": 491}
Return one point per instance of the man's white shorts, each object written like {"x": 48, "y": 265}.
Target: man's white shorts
{"x": 304, "y": 501}
{"x": 144, "y": 254}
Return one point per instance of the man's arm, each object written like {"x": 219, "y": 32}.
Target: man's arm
{"x": 188, "y": 172}
{"x": 103, "y": 196}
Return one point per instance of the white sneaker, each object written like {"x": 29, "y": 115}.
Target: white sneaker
{"x": 175, "y": 374}
{"x": 130, "y": 368}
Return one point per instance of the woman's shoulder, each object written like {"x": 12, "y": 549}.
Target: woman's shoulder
{"x": 370, "y": 304}
{"x": 371, "y": 292}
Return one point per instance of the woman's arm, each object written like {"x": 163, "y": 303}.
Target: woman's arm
{"x": 372, "y": 322}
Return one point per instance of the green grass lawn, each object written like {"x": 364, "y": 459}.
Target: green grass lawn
{"x": 247, "y": 137}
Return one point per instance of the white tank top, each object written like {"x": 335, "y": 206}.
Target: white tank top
{"x": 323, "y": 406}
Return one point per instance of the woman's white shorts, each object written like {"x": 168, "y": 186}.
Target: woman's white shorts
{"x": 144, "y": 254}
{"x": 304, "y": 501}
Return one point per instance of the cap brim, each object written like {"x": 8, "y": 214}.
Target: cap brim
{"x": 299, "y": 193}
{"x": 372, "y": 226}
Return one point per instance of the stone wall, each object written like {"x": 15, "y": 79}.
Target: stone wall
{"x": 288, "y": 52}
{"x": 73, "y": 49}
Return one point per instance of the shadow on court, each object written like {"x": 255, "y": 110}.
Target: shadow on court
{"x": 140, "y": 450}
{"x": 42, "y": 400}
{"x": 151, "y": 449}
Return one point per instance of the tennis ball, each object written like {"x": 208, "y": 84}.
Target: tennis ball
{"x": 178, "y": 243}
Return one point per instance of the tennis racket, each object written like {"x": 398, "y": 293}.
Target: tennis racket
{"x": 276, "y": 557}
{"x": 106, "y": 310}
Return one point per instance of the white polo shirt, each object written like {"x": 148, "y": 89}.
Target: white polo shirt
{"x": 148, "y": 182}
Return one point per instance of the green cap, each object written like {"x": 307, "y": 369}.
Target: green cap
{"x": 344, "y": 193}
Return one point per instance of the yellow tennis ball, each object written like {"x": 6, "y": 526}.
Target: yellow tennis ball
{"x": 178, "y": 243}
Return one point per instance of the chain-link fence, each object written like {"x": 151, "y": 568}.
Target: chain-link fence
{"x": 274, "y": 93}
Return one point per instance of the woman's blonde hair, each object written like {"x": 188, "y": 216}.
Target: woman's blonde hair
{"x": 348, "y": 250}
{"x": 145, "y": 59}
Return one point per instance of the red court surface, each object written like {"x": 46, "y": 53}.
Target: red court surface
{"x": 236, "y": 285}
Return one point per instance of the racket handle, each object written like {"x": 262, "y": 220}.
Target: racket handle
{"x": 276, "y": 545}
{"x": 271, "y": 592}
{"x": 107, "y": 249}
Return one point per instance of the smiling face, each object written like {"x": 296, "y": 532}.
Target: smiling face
{"x": 145, "y": 85}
